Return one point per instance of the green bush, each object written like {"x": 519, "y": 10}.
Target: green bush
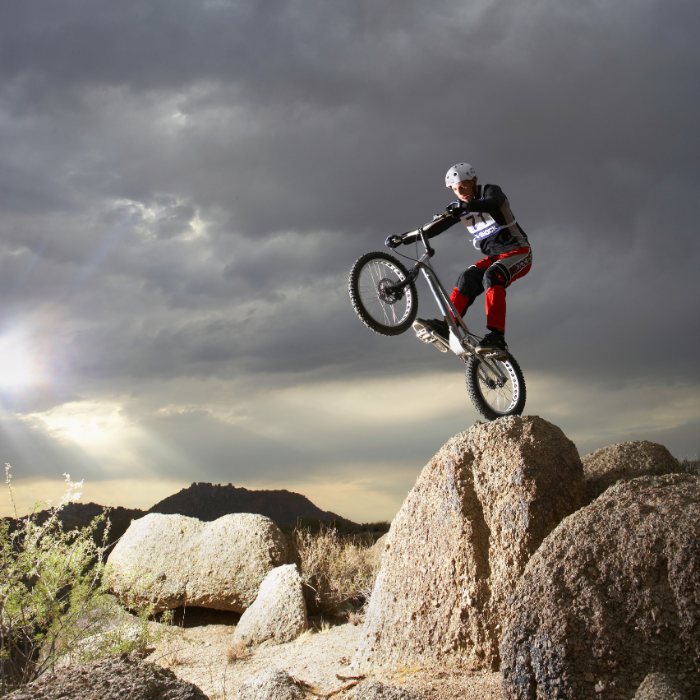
{"x": 54, "y": 603}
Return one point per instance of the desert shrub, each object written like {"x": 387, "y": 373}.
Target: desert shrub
{"x": 54, "y": 602}
{"x": 691, "y": 465}
{"x": 337, "y": 571}
{"x": 346, "y": 528}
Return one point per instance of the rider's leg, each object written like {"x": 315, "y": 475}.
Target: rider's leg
{"x": 495, "y": 340}
{"x": 503, "y": 271}
{"x": 469, "y": 285}
{"x": 501, "y": 274}
{"x": 461, "y": 303}
{"x": 496, "y": 308}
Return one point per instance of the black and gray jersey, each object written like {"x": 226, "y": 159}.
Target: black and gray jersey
{"x": 489, "y": 220}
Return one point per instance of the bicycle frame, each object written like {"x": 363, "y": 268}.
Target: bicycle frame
{"x": 462, "y": 341}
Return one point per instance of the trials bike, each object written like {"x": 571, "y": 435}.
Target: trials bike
{"x": 384, "y": 296}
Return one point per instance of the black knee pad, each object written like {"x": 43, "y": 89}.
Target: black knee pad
{"x": 471, "y": 283}
{"x": 496, "y": 276}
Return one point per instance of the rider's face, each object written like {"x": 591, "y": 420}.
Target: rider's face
{"x": 465, "y": 190}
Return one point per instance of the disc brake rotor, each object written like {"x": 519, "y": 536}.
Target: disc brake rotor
{"x": 387, "y": 292}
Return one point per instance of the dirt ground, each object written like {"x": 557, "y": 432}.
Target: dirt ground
{"x": 201, "y": 651}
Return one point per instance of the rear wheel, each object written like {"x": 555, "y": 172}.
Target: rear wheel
{"x": 491, "y": 396}
{"x": 378, "y": 304}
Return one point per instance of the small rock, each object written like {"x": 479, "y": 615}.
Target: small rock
{"x": 372, "y": 690}
{"x": 110, "y": 679}
{"x": 270, "y": 684}
{"x": 278, "y": 613}
{"x": 658, "y": 686}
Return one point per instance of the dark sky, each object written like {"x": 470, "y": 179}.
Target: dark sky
{"x": 184, "y": 185}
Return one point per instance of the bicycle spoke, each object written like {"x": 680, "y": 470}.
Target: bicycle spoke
{"x": 500, "y": 397}
{"x": 381, "y": 311}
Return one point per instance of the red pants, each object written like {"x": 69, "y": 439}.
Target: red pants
{"x": 493, "y": 275}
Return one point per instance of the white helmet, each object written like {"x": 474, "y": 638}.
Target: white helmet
{"x": 458, "y": 173}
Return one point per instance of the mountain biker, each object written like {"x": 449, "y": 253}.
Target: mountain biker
{"x": 485, "y": 211}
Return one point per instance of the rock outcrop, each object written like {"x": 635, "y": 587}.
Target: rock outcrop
{"x": 171, "y": 560}
{"x": 612, "y": 595}
{"x": 377, "y": 550}
{"x": 622, "y": 462}
{"x": 110, "y": 679}
{"x": 479, "y": 510}
{"x": 270, "y": 684}
{"x": 278, "y": 613}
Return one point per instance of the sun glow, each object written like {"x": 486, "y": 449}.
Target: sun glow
{"x": 17, "y": 365}
{"x": 84, "y": 422}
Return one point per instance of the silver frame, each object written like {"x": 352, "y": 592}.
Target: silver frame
{"x": 462, "y": 341}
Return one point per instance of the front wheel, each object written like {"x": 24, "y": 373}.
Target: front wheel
{"x": 491, "y": 396}
{"x": 374, "y": 296}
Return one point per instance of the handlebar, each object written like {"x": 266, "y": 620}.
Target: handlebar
{"x": 394, "y": 241}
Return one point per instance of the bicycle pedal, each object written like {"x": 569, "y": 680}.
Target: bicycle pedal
{"x": 422, "y": 333}
{"x": 499, "y": 355}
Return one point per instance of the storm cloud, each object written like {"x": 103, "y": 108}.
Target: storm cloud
{"x": 184, "y": 185}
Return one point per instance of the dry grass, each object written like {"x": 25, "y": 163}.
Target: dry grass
{"x": 355, "y": 618}
{"x": 691, "y": 465}
{"x": 338, "y": 570}
{"x": 401, "y": 675}
{"x": 172, "y": 644}
{"x": 304, "y": 637}
{"x": 237, "y": 651}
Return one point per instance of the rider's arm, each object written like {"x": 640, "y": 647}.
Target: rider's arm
{"x": 434, "y": 228}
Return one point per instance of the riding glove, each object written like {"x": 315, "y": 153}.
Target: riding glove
{"x": 457, "y": 209}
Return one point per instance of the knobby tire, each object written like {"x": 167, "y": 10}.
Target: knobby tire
{"x": 488, "y": 398}
{"x": 377, "y": 314}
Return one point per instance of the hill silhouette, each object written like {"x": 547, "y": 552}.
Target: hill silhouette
{"x": 208, "y": 502}
{"x": 79, "y": 515}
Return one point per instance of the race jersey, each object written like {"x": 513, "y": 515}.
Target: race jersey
{"x": 491, "y": 222}
{"x": 481, "y": 226}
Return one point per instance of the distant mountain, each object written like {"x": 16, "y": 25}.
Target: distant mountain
{"x": 207, "y": 502}
{"x": 210, "y": 501}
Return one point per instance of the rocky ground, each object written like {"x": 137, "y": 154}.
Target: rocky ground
{"x": 203, "y": 652}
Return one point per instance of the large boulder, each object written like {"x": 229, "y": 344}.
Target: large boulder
{"x": 171, "y": 560}
{"x": 278, "y": 613}
{"x": 457, "y": 547}
{"x": 622, "y": 462}
{"x": 612, "y": 595}
{"x": 110, "y": 679}
{"x": 270, "y": 684}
